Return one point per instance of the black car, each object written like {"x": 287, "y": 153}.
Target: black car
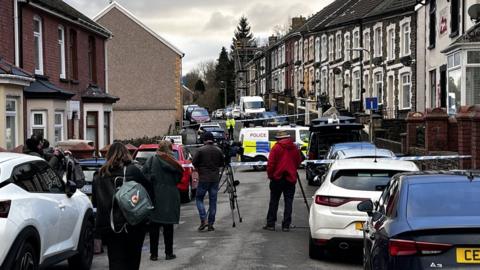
{"x": 424, "y": 220}
{"x": 217, "y": 132}
{"x": 89, "y": 167}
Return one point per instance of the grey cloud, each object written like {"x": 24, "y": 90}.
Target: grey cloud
{"x": 219, "y": 22}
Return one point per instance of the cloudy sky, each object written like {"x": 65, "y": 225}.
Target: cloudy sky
{"x": 201, "y": 27}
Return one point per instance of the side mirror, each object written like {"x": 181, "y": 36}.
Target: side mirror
{"x": 366, "y": 206}
{"x": 70, "y": 188}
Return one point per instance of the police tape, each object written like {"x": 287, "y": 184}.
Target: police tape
{"x": 251, "y": 119}
{"x": 328, "y": 161}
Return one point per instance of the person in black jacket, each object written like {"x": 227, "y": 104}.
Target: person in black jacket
{"x": 124, "y": 248}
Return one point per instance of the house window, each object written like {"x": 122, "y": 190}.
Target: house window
{"x": 61, "y": 51}
{"x": 338, "y": 43}
{"x": 330, "y": 49}
{"x": 366, "y": 45}
{"x": 379, "y": 86}
{"x": 295, "y": 52}
{"x": 92, "y": 127}
{"x": 338, "y": 85}
{"x": 73, "y": 55}
{"x": 454, "y": 82}
{"x": 356, "y": 43}
{"x": 317, "y": 81}
{"x": 406, "y": 39}
{"x": 432, "y": 36}
{"x": 356, "y": 85}
{"x": 317, "y": 50}
{"x": 454, "y": 17}
{"x": 406, "y": 90}
{"x": 58, "y": 126}
{"x": 305, "y": 50}
{"x": 39, "y": 123}
{"x": 38, "y": 45}
{"x": 106, "y": 128}
{"x": 324, "y": 48}
{"x": 391, "y": 45}
{"x": 11, "y": 126}
{"x": 324, "y": 81}
{"x": 92, "y": 67}
{"x": 378, "y": 41}
{"x": 347, "y": 47}
{"x": 311, "y": 51}
{"x": 433, "y": 89}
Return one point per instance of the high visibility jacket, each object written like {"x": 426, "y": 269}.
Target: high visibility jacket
{"x": 230, "y": 123}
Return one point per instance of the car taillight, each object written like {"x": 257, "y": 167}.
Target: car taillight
{"x": 405, "y": 248}
{"x": 335, "y": 201}
{"x": 4, "y": 208}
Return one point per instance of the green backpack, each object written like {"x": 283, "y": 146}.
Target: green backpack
{"x": 132, "y": 200}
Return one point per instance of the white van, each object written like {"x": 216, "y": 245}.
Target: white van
{"x": 258, "y": 141}
{"x": 251, "y": 106}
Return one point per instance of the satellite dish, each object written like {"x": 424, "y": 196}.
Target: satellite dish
{"x": 474, "y": 12}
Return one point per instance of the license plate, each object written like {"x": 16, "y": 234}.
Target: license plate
{"x": 359, "y": 226}
{"x": 468, "y": 255}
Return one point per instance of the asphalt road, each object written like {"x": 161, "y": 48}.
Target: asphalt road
{"x": 247, "y": 246}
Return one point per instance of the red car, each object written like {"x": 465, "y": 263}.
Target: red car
{"x": 188, "y": 184}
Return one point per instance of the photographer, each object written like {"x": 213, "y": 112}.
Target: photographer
{"x": 207, "y": 160}
{"x": 36, "y": 145}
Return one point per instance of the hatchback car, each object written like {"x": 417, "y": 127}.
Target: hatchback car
{"x": 199, "y": 115}
{"x": 43, "y": 220}
{"x": 424, "y": 220}
{"x": 188, "y": 184}
{"x": 335, "y": 222}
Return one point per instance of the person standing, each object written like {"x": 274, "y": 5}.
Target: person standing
{"x": 124, "y": 247}
{"x": 164, "y": 172}
{"x": 207, "y": 160}
{"x": 283, "y": 162}
{"x": 230, "y": 126}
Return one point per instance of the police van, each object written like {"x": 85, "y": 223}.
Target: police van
{"x": 257, "y": 142}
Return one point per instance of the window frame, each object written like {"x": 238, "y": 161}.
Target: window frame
{"x": 338, "y": 46}
{"x": 44, "y": 124}
{"x": 432, "y": 25}
{"x": 391, "y": 40}
{"x": 331, "y": 51}
{"x": 454, "y": 18}
{"x": 73, "y": 50}
{"x": 357, "y": 85}
{"x": 61, "y": 47}
{"x": 347, "y": 46}
{"x": 13, "y": 114}
{"x": 378, "y": 40}
{"x": 38, "y": 35}
{"x": 402, "y": 86}
{"x": 404, "y": 39}
{"x": 59, "y": 126}
{"x": 366, "y": 44}
{"x": 356, "y": 39}
{"x": 324, "y": 53}
{"x": 317, "y": 49}
{"x": 377, "y": 84}
{"x": 338, "y": 86}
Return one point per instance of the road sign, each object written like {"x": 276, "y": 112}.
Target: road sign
{"x": 371, "y": 103}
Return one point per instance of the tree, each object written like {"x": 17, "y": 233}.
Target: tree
{"x": 200, "y": 86}
{"x": 242, "y": 33}
{"x": 224, "y": 76}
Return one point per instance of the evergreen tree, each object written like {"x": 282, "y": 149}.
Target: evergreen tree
{"x": 242, "y": 33}
{"x": 224, "y": 77}
{"x": 200, "y": 86}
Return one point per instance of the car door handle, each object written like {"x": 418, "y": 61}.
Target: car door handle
{"x": 62, "y": 206}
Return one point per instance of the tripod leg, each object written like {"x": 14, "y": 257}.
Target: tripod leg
{"x": 303, "y": 192}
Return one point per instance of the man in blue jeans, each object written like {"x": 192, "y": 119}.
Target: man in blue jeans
{"x": 207, "y": 161}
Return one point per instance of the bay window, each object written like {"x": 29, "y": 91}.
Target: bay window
{"x": 11, "y": 123}
{"x": 39, "y": 123}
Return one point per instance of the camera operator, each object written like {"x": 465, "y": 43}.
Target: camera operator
{"x": 36, "y": 145}
{"x": 207, "y": 160}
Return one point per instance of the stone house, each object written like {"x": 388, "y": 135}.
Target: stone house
{"x": 145, "y": 71}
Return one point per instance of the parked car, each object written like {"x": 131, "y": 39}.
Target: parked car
{"x": 188, "y": 110}
{"x": 199, "y": 115}
{"x": 335, "y": 223}
{"x": 218, "y": 114}
{"x": 424, "y": 220}
{"x": 215, "y": 128}
{"x": 90, "y": 167}
{"x": 188, "y": 184}
{"x": 236, "y": 113}
{"x": 43, "y": 220}
{"x": 363, "y": 153}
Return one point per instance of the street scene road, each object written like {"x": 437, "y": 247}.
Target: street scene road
{"x": 247, "y": 246}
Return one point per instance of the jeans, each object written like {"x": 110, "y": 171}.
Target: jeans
{"x": 276, "y": 190}
{"x": 167, "y": 238}
{"x": 125, "y": 249}
{"x": 212, "y": 189}
{"x": 230, "y": 134}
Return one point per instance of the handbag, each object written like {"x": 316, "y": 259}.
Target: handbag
{"x": 132, "y": 200}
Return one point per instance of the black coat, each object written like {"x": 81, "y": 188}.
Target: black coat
{"x": 207, "y": 160}
{"x": 103, "y": 191}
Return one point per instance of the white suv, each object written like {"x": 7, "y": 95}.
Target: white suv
{"x": 42, "y": 220}
{"x": 335, "y": 222}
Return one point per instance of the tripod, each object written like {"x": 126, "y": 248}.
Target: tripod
{"x": 230, "y": 187}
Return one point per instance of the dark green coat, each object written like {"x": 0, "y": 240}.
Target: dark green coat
{"x": 164, "y": 178}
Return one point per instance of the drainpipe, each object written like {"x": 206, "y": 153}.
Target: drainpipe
{"x": 16, "y": 34}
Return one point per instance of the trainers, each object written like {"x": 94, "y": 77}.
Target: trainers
{"x": 211, "y": 228}
{"x": 153, "y": 258}
{"x": 269, "y": 228}
{"x": 170, "y": 256}
{"x": 202, "y": 226}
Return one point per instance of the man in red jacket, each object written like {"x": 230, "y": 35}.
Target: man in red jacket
{"x": 283, "y": 162}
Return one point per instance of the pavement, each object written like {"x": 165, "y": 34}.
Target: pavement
{"x": 247, "y": 246}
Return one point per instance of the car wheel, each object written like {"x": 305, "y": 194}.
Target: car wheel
{"x": 83, "y": 259}
{"x": 314, "y": 251}
{"x": 26, "y": 257}
{"x": 186, "y": 196}
{"x": 260, "y": 167}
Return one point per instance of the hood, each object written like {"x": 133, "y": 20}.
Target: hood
{"x": 287, "y": 144}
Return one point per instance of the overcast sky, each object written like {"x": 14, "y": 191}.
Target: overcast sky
{"x": 201, "y": 27}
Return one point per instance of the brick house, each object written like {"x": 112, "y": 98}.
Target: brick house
{"x": 65, "y": 52}
{"x": 145, "y": 71}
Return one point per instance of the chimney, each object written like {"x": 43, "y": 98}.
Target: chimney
{"x": 271, "y": 40}
{"x": 297, "y": 22}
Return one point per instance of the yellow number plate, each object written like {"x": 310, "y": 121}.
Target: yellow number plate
{"x": 468, "y": 255}
{"x": 359, "y": 225}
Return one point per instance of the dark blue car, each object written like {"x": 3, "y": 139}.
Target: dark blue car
{"x": 428, "y": 220}
{"x": 89, "y": 167}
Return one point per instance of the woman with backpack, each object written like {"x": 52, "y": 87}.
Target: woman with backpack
{"x": 164, "y": 172}
{"x": 124, "y": 242}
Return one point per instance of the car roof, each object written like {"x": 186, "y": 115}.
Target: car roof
{"x": 9, "y": 160}
{"x": 438, "y": 176}
{"x": 347, "y": 145}
{"x": 371, "y": 163}
{"x": 370, "y": 152}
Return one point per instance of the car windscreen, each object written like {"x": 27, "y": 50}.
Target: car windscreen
{"x": 200, "y": 113}
{"x": 304, "y": 135}
{"x": 253, "y": 105}
{"x": 320, "y": 143}
{"x": 365, "y": 179}
{"x": 442, "y": 199}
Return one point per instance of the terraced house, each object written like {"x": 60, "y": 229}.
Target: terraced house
{"x": 53, "y": 60}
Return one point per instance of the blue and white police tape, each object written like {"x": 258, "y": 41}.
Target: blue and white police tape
{"x": 251, "y": 119}
{"x": 328, "y": 161}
